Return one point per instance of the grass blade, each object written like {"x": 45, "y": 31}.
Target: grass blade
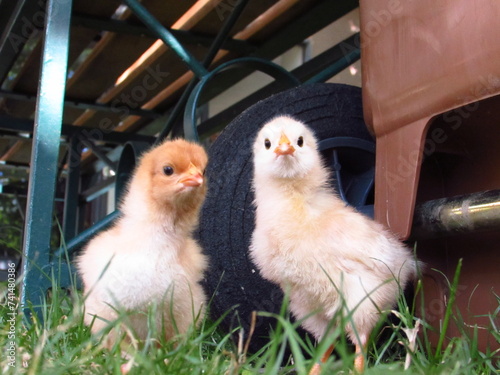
{"x": 449, "y": 311}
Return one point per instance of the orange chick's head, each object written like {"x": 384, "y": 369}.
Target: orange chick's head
{"x": 171, "y": 175}
{"x": 285, "y": 149}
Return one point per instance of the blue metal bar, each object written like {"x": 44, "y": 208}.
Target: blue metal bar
{"x": 349, "y": 57}
{"x": 73, "y": 103}
{"x": 96, "y": 150}
{"x": 186, "y": 37}
{"x": 224, "y": 32}
{"x": 265, "y": 66}
{"x": 15, "y": 124}
{"x": 166, "y": 36}
{"x": 126, "y": 165}
{"x": 360, "y": 185}
{"x": 71, "y": 194}
{"x": 83, "y": 237}
{"x": 125, "y": 168}
{"x": 212, "y": 52}
{"x": 45, "y": 151}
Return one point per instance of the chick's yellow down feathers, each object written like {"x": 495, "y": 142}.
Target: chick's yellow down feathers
{"x": 149, "y": 255}
{"x": 325, "y": 255}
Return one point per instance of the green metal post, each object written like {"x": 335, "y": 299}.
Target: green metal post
{"x": 46, "y": 139}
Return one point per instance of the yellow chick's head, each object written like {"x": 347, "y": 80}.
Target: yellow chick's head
{"x": 172, "y": 174}
{"x": 285, "y": 148}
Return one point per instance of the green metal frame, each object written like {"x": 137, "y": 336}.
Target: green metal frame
{"x": 45, "y": 152}
{"x": 16, "y": 125}
{"x": 166, "y": 36}
{"x": 71, "y": 196}
{"x": 186, "y": 37}
{"x": 39, "y": 264}
{"x": 268, "y": 67}
{"x": 212, "y": 52}
{"x": 79, "y": 104}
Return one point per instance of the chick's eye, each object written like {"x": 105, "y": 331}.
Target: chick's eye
{"x": 300, "y": 141}
{"x": 267, "y": 143}
{"x": 168, "y": 170}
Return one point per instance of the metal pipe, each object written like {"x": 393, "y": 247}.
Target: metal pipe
{"x": 74, "y": 103}
{"x": 274, "y": 70}
{"x": 455, "y": 215}
{"x": 207, "y": 61}
{"x": 351, "y": 53}
{"x": 166, "y": 36}
{"x": 71, "y": 194}
{"x": 98, "y": 152}
{"x": 183, "y": 36}
{"x": 81, "y": 239}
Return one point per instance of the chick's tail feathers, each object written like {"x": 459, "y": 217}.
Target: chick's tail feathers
{"x": 417, "y": 267}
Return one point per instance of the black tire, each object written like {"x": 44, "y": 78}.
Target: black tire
{"x": 227, "y": 217}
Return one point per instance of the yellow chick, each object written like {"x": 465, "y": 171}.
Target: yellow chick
{"x": 149, "y": 255}
{"x": 328, "y": 257}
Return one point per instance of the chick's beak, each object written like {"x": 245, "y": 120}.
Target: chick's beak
{"x": 284, "y": 146}
{"x": 193, "y": 177}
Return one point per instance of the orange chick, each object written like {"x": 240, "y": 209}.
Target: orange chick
{"x": 329, "y": 258}
{"x": 149, "y": 256}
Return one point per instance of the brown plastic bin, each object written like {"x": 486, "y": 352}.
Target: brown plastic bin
{"x": 431, "y": 80}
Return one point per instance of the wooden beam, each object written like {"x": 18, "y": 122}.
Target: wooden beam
{"x": 251, "y": 29}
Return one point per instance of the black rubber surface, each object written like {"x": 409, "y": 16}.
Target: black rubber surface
{"x": 227, "y": 217}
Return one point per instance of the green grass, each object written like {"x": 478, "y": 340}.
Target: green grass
{"x": 62, "y": 344}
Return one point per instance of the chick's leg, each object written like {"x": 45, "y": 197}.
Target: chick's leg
{"x": 316, "y": 369}
{"x": 359, "y": 360}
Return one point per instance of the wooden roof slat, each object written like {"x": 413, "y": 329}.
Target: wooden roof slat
{"x": 127, "y": 27}
{"x": 178, "y": 83}
{"x": 18, "y": 20}
{"x": 13, "y": 153}
{"x": 196, "y": 13}
{"x": 27, "y": 80}
{"x": 141, "y": 89}
{"x": 254, "y": 27}
{"x": 155, "y": 51}
{"x": 213, "y": 21}
{"x": 95, "y": 80}
{"x": 22, "y": 67}
{"x": 115, "y": 54}
{"x": 5, "y": 145}
{"x": 158, "y": 49}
